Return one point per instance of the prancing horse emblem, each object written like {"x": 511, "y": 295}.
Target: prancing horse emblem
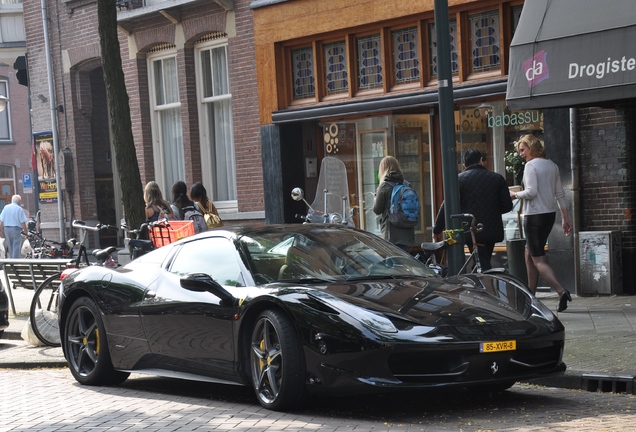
{"x": 494, "y": 368}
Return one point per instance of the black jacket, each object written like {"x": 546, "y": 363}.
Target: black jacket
{"x": 484, "y": 194}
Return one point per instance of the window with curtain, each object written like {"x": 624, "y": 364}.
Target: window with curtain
{"x": 217, "y": 135}
{"x": 5, "y": 125}
{"x": 167, "y": 130}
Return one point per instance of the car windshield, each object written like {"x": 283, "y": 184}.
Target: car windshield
{"x": 326, "y": 254}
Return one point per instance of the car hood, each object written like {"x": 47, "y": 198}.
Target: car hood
{"x": 457, "y": 301}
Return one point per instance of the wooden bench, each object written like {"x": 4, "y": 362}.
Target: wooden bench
{"x": 29, "y": 273}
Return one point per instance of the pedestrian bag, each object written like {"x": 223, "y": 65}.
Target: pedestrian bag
{"x": 405, "y": 206}
{"x": 197, "y": 218}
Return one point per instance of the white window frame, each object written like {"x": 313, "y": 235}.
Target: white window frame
{"x": 6, "y": 114}
{"x": 229, "y": 201}
{"x": 162, "y": 177}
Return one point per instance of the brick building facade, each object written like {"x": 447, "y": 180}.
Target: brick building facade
{"x": 607, "y": 179}
{"x": 175, "y": 31}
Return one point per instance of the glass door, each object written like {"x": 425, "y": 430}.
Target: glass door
{"x": 411, "y": 157}
{"x": 372, "y": 148}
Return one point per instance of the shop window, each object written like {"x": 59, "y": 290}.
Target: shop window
{"x": 217, "y": 135}
{"x": 406, "y": 61}
{"x": 369, "y": 62}
{"x": 166, "y": 120}
{"x": 336, "y": 75}
{"x": 515, "y": 16}
{"x": 5, "y": 124}
{"x": 454, "y": 57}
{"x": 485, "y": 52}
{"x": 303, "y": 73}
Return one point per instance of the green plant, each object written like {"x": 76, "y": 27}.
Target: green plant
{"x": 514, "y": 164}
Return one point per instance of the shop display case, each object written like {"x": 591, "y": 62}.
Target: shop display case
{"x": 372, "y": 148}
{"x": 414, "y": 159}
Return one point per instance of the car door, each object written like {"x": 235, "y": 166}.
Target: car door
{"x": 193, "y": 331}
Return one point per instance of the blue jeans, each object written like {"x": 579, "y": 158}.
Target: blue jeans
{"x": 14, "y": 241}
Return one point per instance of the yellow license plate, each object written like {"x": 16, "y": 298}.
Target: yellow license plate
{"x": 489, "y": 347}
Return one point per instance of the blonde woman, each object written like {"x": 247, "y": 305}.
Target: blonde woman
{"x": 542, "y": 196}
{"x": 390, "y": 174}
{"x": 156, "y": 207}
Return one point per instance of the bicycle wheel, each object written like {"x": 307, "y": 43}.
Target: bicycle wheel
{"x": 43, "y": 311}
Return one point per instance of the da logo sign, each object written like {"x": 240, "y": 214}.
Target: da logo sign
{"x": 535, "y": 69}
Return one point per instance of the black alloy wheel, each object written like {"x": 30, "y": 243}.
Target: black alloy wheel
{"x": 277, "y": 362}
{"x": 87, "y": 347}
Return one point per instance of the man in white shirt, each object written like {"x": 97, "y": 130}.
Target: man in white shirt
{"x": 12, "y": 222}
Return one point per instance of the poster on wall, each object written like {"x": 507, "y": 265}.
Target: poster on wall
{"x": 45, "y": 166}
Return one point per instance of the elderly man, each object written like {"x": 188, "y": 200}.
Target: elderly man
{"x": 13, "y": 221}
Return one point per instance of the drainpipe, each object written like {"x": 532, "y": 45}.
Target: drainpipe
{"x": 574, "y": 166}
{"x": 52, "y": 106}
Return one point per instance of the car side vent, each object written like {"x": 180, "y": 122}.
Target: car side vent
{"x": 319, "y": 306}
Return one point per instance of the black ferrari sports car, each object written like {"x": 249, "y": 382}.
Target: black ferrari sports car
{"x": 295, "y": 310}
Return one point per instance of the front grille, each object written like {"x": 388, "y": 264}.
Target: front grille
{"x": 467, "y": 364}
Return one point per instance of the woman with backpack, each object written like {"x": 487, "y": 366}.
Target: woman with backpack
{"x": 205, "y": 205}
{"x": 180, "y": 199}
{"x": 391, "y": 175}
{"x": 156, "y": 207}
{"x": 185, "y": 209}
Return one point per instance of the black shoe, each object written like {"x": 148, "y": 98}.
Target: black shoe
{"x": 563, "y": 302}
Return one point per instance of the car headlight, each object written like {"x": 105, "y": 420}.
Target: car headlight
{"x": 540, "y": 310}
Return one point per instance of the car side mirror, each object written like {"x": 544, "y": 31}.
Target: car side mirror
{"x": 202, "y": 282}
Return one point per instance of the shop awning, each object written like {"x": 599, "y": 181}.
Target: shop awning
{"x": 567, "y": 53}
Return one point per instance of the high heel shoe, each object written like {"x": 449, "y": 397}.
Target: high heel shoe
{"x": 563, "y": 301}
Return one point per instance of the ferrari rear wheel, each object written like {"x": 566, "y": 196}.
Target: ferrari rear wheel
{"x": 86, "y": 346}
{"x": 277, "y": 363}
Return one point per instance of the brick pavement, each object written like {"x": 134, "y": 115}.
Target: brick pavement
{"x": 599, "y": 351}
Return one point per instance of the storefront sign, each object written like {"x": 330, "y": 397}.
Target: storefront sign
{"x": 515, "y": 118}
{"x": 45, "y": 166}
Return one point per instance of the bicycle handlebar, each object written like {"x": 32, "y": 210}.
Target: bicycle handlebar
{"x": 82, "y": 225}
{"x": 477, "y": 227}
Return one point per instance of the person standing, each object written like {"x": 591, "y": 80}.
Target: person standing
{"x": 12, "y": 222}
{"x": 390, "y": 174}
{"x": 485, "y": 195}
{"x": 156, "y": 207}
{"x": 205, "y": 205}
{"x": 542, "y": 195}
{"x": 180, "y": 199}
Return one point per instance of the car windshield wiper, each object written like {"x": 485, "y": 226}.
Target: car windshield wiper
{"x": 307, "y": 280}
{"x": 379, "y": 277}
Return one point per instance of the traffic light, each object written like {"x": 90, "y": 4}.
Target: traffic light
{"x": 22, "y": 73}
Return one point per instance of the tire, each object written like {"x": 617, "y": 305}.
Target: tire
{"x": 43, "y": 311}
{"x": 86, "y": 346}
{"x": 277, "y": 363}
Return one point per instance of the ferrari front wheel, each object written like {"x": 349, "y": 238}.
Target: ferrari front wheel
{"x": 86, "y": 346}
{"x": 277, "y": 363}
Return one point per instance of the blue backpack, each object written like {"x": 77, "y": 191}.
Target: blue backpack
{"x": 405, "y": 206}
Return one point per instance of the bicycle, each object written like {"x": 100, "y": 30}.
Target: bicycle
{"x": 43, "y": 310}
{"x": 452, "y": 237}
{"x": 41, "y": 248}
{"x": 133, "y": 240}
